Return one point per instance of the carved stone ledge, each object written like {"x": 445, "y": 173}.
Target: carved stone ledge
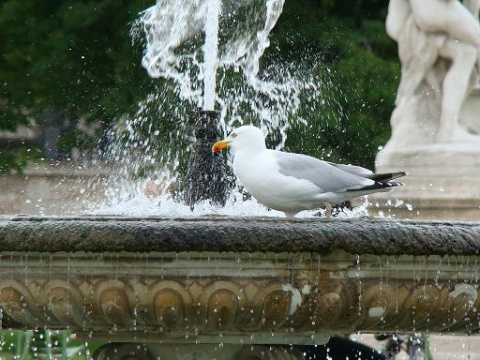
{"x": 290, "y": 297}
{"x": 296, "y": 295}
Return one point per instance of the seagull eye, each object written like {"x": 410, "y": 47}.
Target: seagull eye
{"x": 233, "y": 135}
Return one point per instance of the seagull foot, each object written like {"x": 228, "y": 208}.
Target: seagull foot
{"x": 328, "y": 210}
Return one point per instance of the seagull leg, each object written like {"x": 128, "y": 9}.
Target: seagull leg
{"x": 328, "y": 210}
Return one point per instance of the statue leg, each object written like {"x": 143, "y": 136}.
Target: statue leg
{"x": 413, "y": 73}
{"x": 455, "y": 89}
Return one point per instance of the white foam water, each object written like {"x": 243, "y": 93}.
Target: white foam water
{"x": 162, "y": 206}
{"x": 150, "y": 200}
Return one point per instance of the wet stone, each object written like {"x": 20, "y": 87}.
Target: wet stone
{"x": 224, "y": 234}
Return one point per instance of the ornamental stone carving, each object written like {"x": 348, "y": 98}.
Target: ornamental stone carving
{"x": 301, "y": 296}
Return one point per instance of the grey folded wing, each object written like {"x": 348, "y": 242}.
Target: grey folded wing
{"x": 328, "y": 177}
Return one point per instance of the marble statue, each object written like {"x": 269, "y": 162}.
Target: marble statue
{"x": 439, "y": 49}
{"x": 436, "y": 121}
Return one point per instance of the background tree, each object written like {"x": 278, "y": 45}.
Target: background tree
{"x": 358, "y": 72}
{"x": 64, "y": 60}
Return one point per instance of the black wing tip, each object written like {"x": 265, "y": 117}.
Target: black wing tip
{"x": 379, "y": 186}
{"x": 386, "y": 177}
{"x": 383, "y": 181}
{"x": 398, "y": 174}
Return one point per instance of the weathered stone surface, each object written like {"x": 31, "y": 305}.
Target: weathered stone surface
{"x": 219, "y": 234}
{"x": 199, "y": 279}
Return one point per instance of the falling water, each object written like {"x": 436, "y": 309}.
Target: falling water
{"x": 202, "y": 55}
{"x": 210, "y": 50}
{"x": 187, "y": 42}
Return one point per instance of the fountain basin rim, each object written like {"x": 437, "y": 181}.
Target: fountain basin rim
{"x": 247, "y": 234}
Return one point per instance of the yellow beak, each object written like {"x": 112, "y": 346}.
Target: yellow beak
{"x": 219, "y": 146}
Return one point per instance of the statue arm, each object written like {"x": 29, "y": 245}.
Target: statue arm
{"x": 397, "y": 15}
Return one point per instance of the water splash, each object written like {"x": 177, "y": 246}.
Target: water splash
{"x": 164, "y": 205}
{"x": 202, "y": 63}
{"x": 223, "y": 71}
{"x": 233, "y": 38}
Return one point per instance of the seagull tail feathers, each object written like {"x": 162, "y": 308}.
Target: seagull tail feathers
{"x": 383, "y": 182}
{"x": 386, "y": 177}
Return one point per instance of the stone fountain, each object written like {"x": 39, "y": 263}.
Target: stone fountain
{"x": 234, "y": 288}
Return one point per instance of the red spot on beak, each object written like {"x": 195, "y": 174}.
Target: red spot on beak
{"x": 219, "y": 146}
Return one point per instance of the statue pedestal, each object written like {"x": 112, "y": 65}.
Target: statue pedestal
{"x": 443, "y": 182}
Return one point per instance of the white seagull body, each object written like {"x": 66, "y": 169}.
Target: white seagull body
{"x": 291, "y": 182}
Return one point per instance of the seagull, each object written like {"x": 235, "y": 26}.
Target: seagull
{"x": 290, "y": 182}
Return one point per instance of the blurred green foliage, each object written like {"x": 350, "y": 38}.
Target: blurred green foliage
{"x": 357, "y": 72}
{"x": 77, "y": 57}
{"x": 72, "y": 57}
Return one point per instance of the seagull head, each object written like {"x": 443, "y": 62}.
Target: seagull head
{"x": 246, "y": 137}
